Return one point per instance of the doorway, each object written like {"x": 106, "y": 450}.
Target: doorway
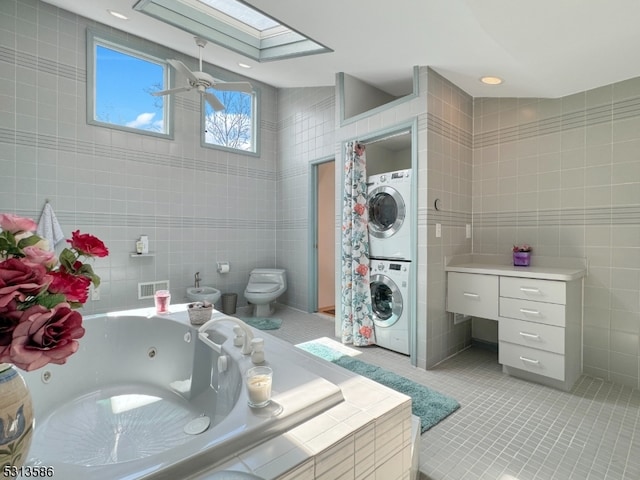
{"x": 323, "y": 217}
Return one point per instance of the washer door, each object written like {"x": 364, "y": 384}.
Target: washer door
{"x": 386, "y": 211}
{"x": 386, "y": 300}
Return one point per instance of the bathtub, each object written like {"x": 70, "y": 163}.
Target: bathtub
{"x": 145, "y": 398}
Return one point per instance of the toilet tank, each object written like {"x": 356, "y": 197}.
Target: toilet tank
{"x": 268, "y": 275}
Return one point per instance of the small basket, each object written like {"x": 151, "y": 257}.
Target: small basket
{"x": 199, "y": 312}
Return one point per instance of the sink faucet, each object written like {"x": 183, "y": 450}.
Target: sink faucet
{"x": 246, "y": 330}
{"x": 197, "y": 280}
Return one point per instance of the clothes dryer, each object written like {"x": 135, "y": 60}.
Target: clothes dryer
{"x": 390, "y": 298}
{"x": 389, "y": 205}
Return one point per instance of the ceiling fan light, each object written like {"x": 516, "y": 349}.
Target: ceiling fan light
{"x": 491, "y": 80}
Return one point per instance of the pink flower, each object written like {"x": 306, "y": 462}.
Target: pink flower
{"x": 9, "y": 319}
{"x": 88, "y": 245}
{"x": 359, "y": 149}
{"x": 15, "y": 224}
{"x": 38, "y": 292}
{"x": 74, "y": 287}
{"x": 45, "y": 336}
{"x": 20, "y": 279}
{"x": 362, "y": 269}
{"x": 40, "y": 257}
{"x": 359, "y": 208}
{"x": 366, "y": 331}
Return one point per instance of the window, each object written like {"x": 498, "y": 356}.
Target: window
{"x": 234, "y": 25}
{"x": 121, "y": 82}
{"x": 235, "y": 126}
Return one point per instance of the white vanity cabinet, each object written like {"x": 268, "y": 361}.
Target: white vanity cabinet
{"x": 539, "y": 315}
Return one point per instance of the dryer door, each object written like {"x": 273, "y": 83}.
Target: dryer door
{"x": 386, "y": 211}
{"x": 386, "y": 299}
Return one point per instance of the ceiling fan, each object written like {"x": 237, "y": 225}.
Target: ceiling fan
{"x": 202, "y": 81}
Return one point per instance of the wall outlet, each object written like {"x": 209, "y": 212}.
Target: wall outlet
{"x": 468, "y": 231}
{"x": 94, "y": 293}
{"x": 438, "y": 230}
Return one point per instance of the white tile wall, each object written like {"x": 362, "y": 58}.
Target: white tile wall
{"x": 198, "y": 205}
{"x": 564, "y": 176}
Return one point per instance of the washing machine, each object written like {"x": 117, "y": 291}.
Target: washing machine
{"x": 389, "y": 204}
{"x": 390, "y": 298}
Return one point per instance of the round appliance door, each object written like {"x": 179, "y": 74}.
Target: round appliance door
{"x": 386, "y": 211}
{"x": 386, "y": 300}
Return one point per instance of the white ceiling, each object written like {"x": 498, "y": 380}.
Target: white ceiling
{"x": 542, "y": 48}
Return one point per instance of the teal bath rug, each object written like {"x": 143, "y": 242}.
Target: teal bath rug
{"x": 263, "y": 323}
{"x": 427, "y": 404}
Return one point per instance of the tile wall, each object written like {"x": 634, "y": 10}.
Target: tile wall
{"x": 564, "y": 176}
{"x": 448, "y": 168}
{"x": 197, "y": 205}
{"x": 305, "y": 134}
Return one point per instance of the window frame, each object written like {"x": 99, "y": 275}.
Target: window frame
{"x": 255, "y": 126}
{"x": 138, "y": 49}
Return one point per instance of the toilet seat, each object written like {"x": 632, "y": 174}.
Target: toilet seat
{"x": 262, "y": 287}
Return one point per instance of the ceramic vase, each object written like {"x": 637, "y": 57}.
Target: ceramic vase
{"x": 521, "y": 259}
{"x": 16, "y": 418}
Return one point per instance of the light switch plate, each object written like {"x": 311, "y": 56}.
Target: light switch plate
{"x": 438, "y": 230}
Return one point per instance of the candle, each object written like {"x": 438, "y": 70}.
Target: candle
{"x": 259, "y": 381}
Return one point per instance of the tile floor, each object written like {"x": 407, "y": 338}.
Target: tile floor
{"x": 506, "y": 428}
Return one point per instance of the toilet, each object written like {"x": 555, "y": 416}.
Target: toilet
{"x": 265, "y": 285}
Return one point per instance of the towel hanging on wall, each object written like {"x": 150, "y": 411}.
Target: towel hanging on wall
{"x": 49, "y": 228}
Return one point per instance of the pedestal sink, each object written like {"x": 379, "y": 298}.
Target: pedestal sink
{"x": 203, "y": 294}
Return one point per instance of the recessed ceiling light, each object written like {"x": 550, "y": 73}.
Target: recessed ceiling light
{"x": 243, "y": 65}
{"x": 118, "y": 15}
{"x": 489, "y": 80}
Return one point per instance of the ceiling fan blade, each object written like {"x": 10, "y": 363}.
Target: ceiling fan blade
{"x": 213, "y": 101}
{"x": 171, "y": 90}
{"x": 234, "y": 86}
{"x": 181, "y": 67}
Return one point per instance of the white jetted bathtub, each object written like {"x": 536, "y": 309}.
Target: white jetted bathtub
{"x": 145, "y": 398}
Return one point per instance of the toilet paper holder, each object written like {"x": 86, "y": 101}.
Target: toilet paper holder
{"x": 223, "y": 267}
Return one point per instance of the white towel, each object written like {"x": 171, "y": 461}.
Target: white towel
{"x": 49, "y": 228}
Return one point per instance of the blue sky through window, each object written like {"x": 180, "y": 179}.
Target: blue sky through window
{"x": 122, "y": 90}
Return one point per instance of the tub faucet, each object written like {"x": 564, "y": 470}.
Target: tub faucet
{"x": 246, "y": 330}
{"x": 197, "y": 280}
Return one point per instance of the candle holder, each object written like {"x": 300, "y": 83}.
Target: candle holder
{"x": 259, "y": 381}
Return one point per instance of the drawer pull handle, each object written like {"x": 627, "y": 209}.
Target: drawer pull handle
{"x": 528, "y": 360}
{"x": 529, "y": 290}
{"x": 526, "y": 311}
{"x": 530, "y": 335}
{"x": 472, "y": 295}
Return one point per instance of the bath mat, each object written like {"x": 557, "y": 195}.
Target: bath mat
{"x": 430, "y": 406}
{"x": 263, "y": 323}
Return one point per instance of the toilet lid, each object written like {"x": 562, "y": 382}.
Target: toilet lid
{"x": 262, "y": 287}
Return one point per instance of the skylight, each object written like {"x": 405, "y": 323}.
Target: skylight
{"x": 242, "y": 13}
{"x": 234, "y": 25}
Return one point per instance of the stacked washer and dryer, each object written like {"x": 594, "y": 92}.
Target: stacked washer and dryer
{"x": 389, "y": 202}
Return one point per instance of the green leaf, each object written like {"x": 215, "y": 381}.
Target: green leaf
{"x": 50, "y": 300}
{"x": 29, "y": 241}
{"x": 87, "y": 271}
{"x": 67, "y": 258}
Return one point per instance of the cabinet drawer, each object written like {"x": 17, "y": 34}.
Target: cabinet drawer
{"x": 548, "y": 313}
{"x": 551, "y": 291}
{"x": 530, "y": 334}
{"x": 531, "y": 360}
{"x": 473, "y": 294}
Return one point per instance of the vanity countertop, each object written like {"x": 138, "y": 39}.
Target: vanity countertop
{"x": 544, "y": 268}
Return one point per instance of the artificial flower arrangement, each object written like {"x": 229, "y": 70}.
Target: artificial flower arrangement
{"x": 522, "y": 248}
{"x": 39, "y": 293}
